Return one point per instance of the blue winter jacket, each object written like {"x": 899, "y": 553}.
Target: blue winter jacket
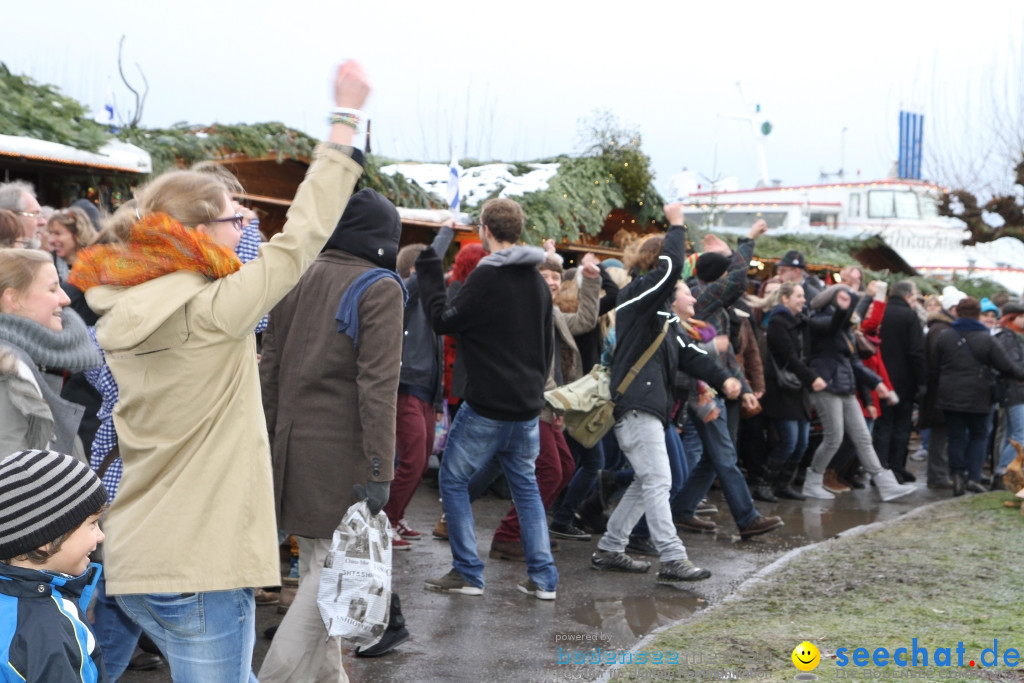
{"x": 44, "y": 634}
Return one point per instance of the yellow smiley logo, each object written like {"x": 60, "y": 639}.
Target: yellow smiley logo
{"x": 806, "y": 656}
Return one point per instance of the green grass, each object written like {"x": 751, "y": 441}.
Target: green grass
{"x": 952, "y": 573}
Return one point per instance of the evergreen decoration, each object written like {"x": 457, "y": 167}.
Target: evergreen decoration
{"x": 578, "y": 200}
{"x": 184, "y": 144}
{"x": 29, "y": 109}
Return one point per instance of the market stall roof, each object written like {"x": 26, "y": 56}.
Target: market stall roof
{"x": 113, "y": 156}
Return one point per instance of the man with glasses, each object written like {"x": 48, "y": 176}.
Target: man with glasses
{"x": 20, "y": 197}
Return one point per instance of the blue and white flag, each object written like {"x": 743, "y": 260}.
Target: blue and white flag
{"x": 453, "y": 186}
{"x": 106, "y": 117}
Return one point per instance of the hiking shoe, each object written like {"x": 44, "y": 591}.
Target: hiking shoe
{"x": 681, "y": 570}
{"x": 407, "y": 532}
{"x": 530, "y": 588}
{"x": 705, "y": 508}
{"x": 696, "y": 525}
{"x": 761, "y": 525}
{"x": 619, "y": 562}
{"x": 452, "y": 582}
{"x": 642, "y": 546}
{"x": 568, "y": 531}
{"x": 441, "y": 528}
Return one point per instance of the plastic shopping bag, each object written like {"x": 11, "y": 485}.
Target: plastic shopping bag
{"x": 354, "y": 597}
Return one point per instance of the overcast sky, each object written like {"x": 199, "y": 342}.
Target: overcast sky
{"x": 512, "y": 81}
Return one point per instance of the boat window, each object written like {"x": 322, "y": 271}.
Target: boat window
{"x": 893, "y": 204}
{"x": 929, "y": 206}
{"x": 734, "y": 219}
{"x": 853, "y": 208}
{"x": 822, "y": 219}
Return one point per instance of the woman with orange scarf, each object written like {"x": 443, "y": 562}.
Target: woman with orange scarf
{"x": 193, "y": 528}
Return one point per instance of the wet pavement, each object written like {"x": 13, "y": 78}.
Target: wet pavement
{"x": 505, "y": 635}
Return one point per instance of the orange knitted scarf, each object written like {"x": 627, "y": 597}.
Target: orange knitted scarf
{"x": 157, "y": 245}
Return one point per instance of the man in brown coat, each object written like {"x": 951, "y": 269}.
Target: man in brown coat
{"x": 329, "y": 372}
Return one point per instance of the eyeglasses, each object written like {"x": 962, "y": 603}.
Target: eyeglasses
{"x": 30, "y": 214}
{"x": 235, "y": 221}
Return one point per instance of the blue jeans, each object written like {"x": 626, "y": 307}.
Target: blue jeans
{"x": 793, "y": 435}
{"x": 967, "y": 439}
{"x": 116, "y": 633}
{"x": 204, "y": 636}
{"x": 718, "y": 459}
{"x": 1015, "y": 431}
{"x": 472, "y": 441}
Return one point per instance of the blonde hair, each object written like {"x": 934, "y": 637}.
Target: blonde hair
{"x": 189, "y": 197}
{"x": 118, "y": 225}
{"x": 78, "y": 223}
{"x": 19, "y": 267}
{"x": 567, "y": 300}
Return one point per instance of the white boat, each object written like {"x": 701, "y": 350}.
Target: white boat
{"x": 903, "y": 213}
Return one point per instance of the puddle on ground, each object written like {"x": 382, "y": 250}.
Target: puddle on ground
{"x": 625, "y": 619}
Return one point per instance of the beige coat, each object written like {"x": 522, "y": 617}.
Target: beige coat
{"x": 195, "y": 507}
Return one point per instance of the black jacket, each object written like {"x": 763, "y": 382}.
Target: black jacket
{"x": 964, "y": 356}
{"x": 903, "y": 348}
{"x": 930, "y": 415}
{"x": 788, "y": 339}
{"x": 1012, "y": 344}
{"x": 422, "y": 351}
{"x": 639, "y": 317}
{"x": 833, "y": 353}
{"x": 503, "y": 318}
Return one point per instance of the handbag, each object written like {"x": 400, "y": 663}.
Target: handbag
{"x": 865, "y": 347}
{"x": 996, "y": 389}
{"x": 587, "y": 403}
{"x": 785, "y": 378}
{"x": 354, "y": 595}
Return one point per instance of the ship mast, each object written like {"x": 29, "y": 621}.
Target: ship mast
{"x": 760, "y": 127}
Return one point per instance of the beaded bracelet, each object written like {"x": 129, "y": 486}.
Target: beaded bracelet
{"x": 345, "y": 119}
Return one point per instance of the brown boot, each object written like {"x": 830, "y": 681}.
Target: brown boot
{"x": 832, "y": 482}
{"x": 441, "y": 528}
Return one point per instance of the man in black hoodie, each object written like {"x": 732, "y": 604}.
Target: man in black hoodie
{"x": 503, "y": 316}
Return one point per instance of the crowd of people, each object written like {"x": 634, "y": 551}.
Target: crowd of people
{"x": 148, "y": 402}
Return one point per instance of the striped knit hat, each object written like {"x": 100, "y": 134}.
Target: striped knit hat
{"x": 44, "y": 495}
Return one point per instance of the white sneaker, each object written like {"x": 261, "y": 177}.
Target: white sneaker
{"x": 919, "y": 455}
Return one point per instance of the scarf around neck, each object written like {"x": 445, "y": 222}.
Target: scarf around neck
{"x": 70, "y": 349}
{"x": 157, "y": 245}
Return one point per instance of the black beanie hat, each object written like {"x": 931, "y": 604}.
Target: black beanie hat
{"x": 44, "y": 495}
{"x": 711, "y": 265}
{"x": 369, "y": 228}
